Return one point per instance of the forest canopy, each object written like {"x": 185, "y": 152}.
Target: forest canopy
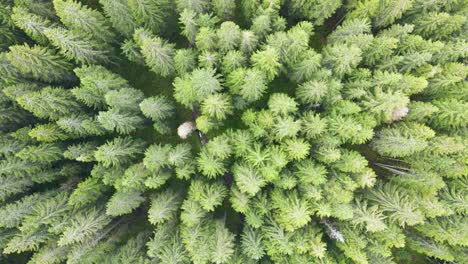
{"x": 233, "y": 131}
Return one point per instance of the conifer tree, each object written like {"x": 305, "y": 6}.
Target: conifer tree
{"x": 342, "y": 59}
{"x": 48, "y": 133}
{"x": 334, "y": 140}
{"x": 157, "y": 108}
{"x": 206, "y": 38}
{"x": 119, "y": 151}
{"x": 193, "y": 88}
{"x": 118, "y": 12}
{"x": 158, "y": 53}
{"x": 52, "y": 103}
{"x": 402, "y": 139}
{"x": 250, "y": 84}
{"x": 125, "y": 99}
{"x": 120, "y": 121}
{"x": 31, "y": 24}
{"x": 123, "y": 202}
{"x": 224, "y": 9}
{"x": 316, "y": 10}
{"x": 388, "y": 12}
{"x": 80, "y": 18}
{"x": 77, "y": 46}
{"x": 229, "y": 36}
{"x": 267, "y": 61}
{"x": 151, "y": 14}
{"x": 95, "y": 82}
{"x": 198, "y": 6}
{"x": 40, "y": 63}
{"x": 185, "y": 61}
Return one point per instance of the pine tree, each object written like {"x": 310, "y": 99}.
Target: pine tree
{"x": 119, "y": 121}
{"x": 41, "y": 8}
{"x": 163, "y": 207}
{"x": 47, "y": 153}
{"x": 150, "y": 14}
{"x": 189, "y": 26}
{"x": 297, "y": 144}
{"x": 83, "y": 152}
{"x": 217, "y": 106}
{"x": 389, "y": 11}
{"x": 438, "y": 25}
{"x": 206, "y": 38}
{"x": 387, "y": 107}
{"x": 40, "y": 63}
{"x": 229, "y": 35}
{"x": 342, "y": 59}
{"x": 210, "y": 165}
{"x": 248, "y": 179}
{"x": 119, "y": 151}
{"x": 196, "y": 86}
{"x": 233, "y": 60}
{"x": 198, "y": 6}
{"x": 124, "y": 202}
{"x": 48, "y": 133}
{"x": 15, "y": 212}
{"x": 312, "y": 92}
{"x": 88, "y": 192}
{"x": 402, "y": 139}
{"x": 132, "y": 51}
{"x": 125, "y": 99}
{"x": 349, "y": 28}
{"x": 317, "y": 10}
{"x": 96, "y": 82}
{"x": 80, "y": 18}
{"x": 10, "y": 186}
{"x": 31, "y": 24}
{"x": 158, "y": 53}
{"x": 304, "y": 69}
{"x": 118, "y": 12}
{"x": 185, "y": 61}
{"x": 224, "y": 9}
{"x": 78, "y": 47}
{"x": 83, "y": 225}
{"x": 74, "y": 125}
{"x": 8, "y": 35}
{"x": 208, "y": 59}
{"x": 267, "y": 61}
{"x": 250, "y": 84}
{"x": 399, "y": 207}
{"x": 249, "y": 41}
{"x": 52, "y": 103}
{"x": 451, "y": 117}
{"x": 209, "y": 195}
{"x": 157, "y": 108}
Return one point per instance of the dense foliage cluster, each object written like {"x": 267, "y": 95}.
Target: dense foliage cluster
{"x": 291, "y": 131}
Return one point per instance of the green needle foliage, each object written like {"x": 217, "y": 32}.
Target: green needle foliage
{"x": 249, "y": 131}
{"x": 77, "y": 46}
{"x": 39, "y": 63}
{"x": 80, "y": 18}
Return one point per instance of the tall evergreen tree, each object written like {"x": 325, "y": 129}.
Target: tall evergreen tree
{"x": 75, "y": 45}
{"x": 40, "y": 63}
{"x": 118, "y": 12}
{"x": 80, "y": 18}
{"x": 158, "y": 53}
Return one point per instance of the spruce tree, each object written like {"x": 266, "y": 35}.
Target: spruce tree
{"x": 80, "y": 18}
{"x": 340, "y": 139}
{"x": 118, "y": 12}
{"x": 150, "y": 14}
{"x": 75, "y": 45}
{"x": 158, "y": 53}
{"x": 40, "y": 63}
